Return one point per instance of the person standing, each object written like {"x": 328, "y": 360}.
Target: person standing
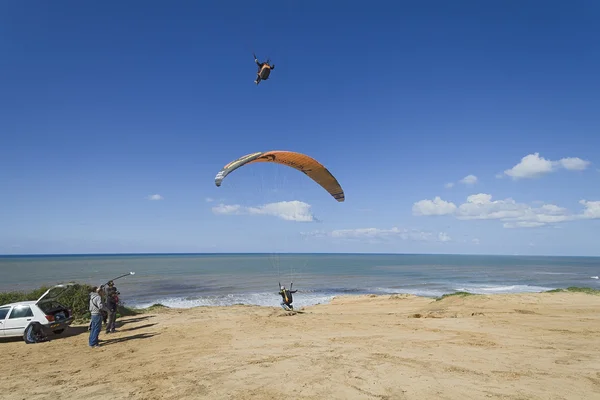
{"x": 96, "y": 307}
{"x": 103, "y": 312}
{"x": 111, "y": 304}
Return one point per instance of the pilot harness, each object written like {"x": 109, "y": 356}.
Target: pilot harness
{"x": 285, "y": 293}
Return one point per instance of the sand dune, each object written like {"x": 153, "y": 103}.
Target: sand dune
{"x": 527, "y": 346}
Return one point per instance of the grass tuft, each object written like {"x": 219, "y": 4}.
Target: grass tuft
{"x": 457, "y": 294}
{"x": 576, "y": 289}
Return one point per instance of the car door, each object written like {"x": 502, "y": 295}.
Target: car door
{"x": 3, "y": 314}
{"x": 17, "y": 320}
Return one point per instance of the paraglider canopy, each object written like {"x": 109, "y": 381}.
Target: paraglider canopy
{"x": 301, "y": 162}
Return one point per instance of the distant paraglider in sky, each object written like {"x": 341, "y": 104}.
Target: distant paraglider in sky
{"x": 301, "y": 162}
{"x": 264, "y": 70}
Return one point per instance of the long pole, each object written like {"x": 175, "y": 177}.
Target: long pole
{"x": 122, "y": 276}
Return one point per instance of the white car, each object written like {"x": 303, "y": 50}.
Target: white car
{"x": 45, "y": 315}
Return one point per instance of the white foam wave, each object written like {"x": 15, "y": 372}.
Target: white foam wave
{"x": 416, "y": 292}
{"x": 304, "y": 299}
{"x": 594, "y": 277}
{"x": 482, "y": 289}
{"x": 475, "y": 289}
{"x": 554, "y": 273}
{"x": 258, "y": 299}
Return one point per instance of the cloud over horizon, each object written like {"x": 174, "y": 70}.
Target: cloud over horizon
{"x": 534, "y": 166}
{"x": 155, "y": 197}
{"x": 514, "y": 215}
{"x": 295, "y": 210}
{"x": 375, "y": 234}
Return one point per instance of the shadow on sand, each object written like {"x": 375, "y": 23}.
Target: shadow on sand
{"x": 70, "y": 331}
{"x": 120, "y": 322}
{"x": 126, "y": 339}
{"x": 135, "y": 328}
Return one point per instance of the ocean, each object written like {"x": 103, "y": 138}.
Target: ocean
{"x": 188, "y": 280}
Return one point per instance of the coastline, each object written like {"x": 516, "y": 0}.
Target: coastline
{"x": 588, "y": 290}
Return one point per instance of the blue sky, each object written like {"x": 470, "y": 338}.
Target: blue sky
{"x": 104, "y": 105}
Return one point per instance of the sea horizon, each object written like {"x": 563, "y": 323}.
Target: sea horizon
{"x": 124, "y": 254}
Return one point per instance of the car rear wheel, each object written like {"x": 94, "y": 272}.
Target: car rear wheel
{"x": 33, "y": 334}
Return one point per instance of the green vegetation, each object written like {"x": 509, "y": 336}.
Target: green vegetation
{"x": 575, "y": 289}
{"x": 153, "y": 307}
{"x": 459, "y": 294}
{"x": 76, "y": 298}
{"x": 571, "y": 289}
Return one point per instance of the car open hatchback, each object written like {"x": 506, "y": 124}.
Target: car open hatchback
{"x": 43, "y": 315}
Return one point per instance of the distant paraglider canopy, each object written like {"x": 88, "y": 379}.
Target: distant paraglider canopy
{"x": 301, "y": 162}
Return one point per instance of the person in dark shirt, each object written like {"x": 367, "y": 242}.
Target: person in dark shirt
{"x": 112, "y": 301}
{"x": 286, "y": 296}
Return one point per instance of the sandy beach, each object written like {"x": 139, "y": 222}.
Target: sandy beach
{"x": 518, "y": 346}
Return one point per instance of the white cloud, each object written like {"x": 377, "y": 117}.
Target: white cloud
{"x": 574, "y": 163}
{"x": 512, "y": 214}
{"x": 155, "y": 197}
{"x": 379, "y": 234}
{"x": 227, "y": 209}
{"x": 592, "y": 209}
{"x": 469, "y": 180}
{"x": 209, "y": 199}
{"x": 444, "y": 237}
{"x": 287, "y": 210}
{"x": 533, "y": 166}
{"x": 475, "y": 241}
{"x": 436, "y": 206}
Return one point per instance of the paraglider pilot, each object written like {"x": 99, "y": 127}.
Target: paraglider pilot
{"x": 264, "y": 69}
{"x": 286, "y": 296}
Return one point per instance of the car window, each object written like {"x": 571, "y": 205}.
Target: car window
{"x": 3, "y": 312}
{"x": 21, "y": 312}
